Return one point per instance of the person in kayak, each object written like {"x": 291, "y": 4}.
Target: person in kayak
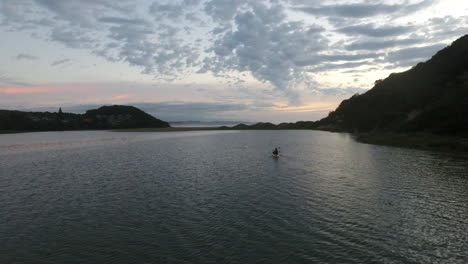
{"x": 275, "y": 152}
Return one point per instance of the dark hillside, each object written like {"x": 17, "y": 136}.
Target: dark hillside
{"x": 121, "y": 116}
{"x": 106, "y": 117}
{"x": 431, "y": 97}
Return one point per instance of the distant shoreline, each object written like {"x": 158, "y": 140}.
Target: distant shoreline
{"x": 423, "y": 141}
{"x": 168, "y": 129}
{"x": 164, "y": 129}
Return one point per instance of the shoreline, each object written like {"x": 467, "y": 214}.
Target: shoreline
{"x": 163, "y": 129}
{"x": 423, "y": 141}
{"x": 168, "y": 129}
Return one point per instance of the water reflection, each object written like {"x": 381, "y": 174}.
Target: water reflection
{"x": 198, "y": 197}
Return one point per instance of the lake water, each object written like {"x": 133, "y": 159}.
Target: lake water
{"x": 220, "y": 197}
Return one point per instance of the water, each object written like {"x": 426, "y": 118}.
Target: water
{"x": 219, "y": 197}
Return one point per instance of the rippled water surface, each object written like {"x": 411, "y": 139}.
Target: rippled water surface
{"x": 219, "y": 197}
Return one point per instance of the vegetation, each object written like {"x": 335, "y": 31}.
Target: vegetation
{"x": 105, "y": 117}
{"x": 432, "y": 97}
{"x": 425, "y": 107}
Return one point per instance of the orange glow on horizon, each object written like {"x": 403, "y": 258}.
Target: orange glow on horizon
{"x": 24, "y": 90}
{"x": 313, "y": 107}
{"x": 120, "y": 96}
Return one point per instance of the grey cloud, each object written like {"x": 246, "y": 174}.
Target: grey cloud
{"x": 362, "y": 10}
{"x": 121, "y": 20}
{"x": 168, "y": 56}
{"x": 442, "y": 28}
{"x": 8, "y": 81}
{"x": 68, "y": 10}
{"x": 107, "y": 29}
{"x": 316, "y": 60}
{"x": 413, "y": 54}
{"x": 59, "y": 62}
{"x": 9, "y": 13}
{"x": 171, "y": 10}
{"x": 339, "y": 66}
{"x": 73, "y": 38}
{"x": 18, "y": 16}
{"x": 383, "y": 44}
{"x": 223, "y": 10}
{"x": 403, "y": 64}
{"x": 250, "y": 36}
{"x": 372, "y": 31}
{"x": 169, "y": 111}
{"x": 267, "y": 46}
{"x": 342, "y": 91}
{"x": 174, "y": 111}
{"x": 85, "y": 13}
{"x": 192, "y": 107}
{"x": 175, "y": 10}
{"x": 349, "y": 57}
{"x": 24, "y": 56}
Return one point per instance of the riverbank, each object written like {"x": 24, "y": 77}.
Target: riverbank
{"x": 169, "y": 129}
{"x": 414, "y": 140}
{"x": 14, "y": 131}
{"x": 417, "y": 140}
{"x": 165, "y": 129}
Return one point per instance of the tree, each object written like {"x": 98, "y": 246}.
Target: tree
{"x": 60, "y": 113}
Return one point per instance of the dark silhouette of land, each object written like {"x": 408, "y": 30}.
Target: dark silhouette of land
{"x": 105, "y": 117}
{"x": 424, "y": 107}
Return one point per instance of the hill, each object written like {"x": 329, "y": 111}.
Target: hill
{"x": 105, "y": 117}
{"x": 426, "y": 106}
{"x": 432, "y": 97}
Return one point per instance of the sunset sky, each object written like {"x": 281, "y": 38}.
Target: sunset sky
{"x": 252, "y": 60}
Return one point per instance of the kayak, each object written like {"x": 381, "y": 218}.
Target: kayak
{"x": 275, "y": 155}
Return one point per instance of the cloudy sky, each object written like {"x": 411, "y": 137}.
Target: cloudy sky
{"x": 253, "y": 60}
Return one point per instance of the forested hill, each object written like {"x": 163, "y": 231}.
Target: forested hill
{"x": 105, "y": 117}
{"x": 431, "y": 97}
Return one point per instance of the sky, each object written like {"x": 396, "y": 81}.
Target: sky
{"x": 207, "y": 60}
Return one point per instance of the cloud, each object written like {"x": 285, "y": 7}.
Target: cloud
{"x": 86, "y": 13}
{"x": 24, "y": 56}
{"x": 120, "y": 97}
{"x": 119, "y": 31}
{"x": 371, "y": 30}
{"x": 169, "y": 56}
{"x": 383, "y": 43}
{"x": 175, "y": 10}
{"x": 414, "y": 54}
{"x": 440, "y": 28}
{"x": 73, "y": 38}
{"x": 363, "y": 10}
{"x": 223, "y": 10}
{"x": 176, "y": 111}
{"x": 121, "y": 20}
{"x": 270, "y": 48}
{"x": 6, "y": 81}
{"x": 59, "y": 62}
{"x": 70, "y": 11}
{"x": 23, "y": 90}
{"x": 183, "y": 111}
{"x": 242, "y": 39}
{"x": 338, "y": 66}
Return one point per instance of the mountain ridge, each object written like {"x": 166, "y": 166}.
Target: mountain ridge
{"x": 423, "y": 107}
{"x": 431, "y": 97}
{"x": 105, "y": 117}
